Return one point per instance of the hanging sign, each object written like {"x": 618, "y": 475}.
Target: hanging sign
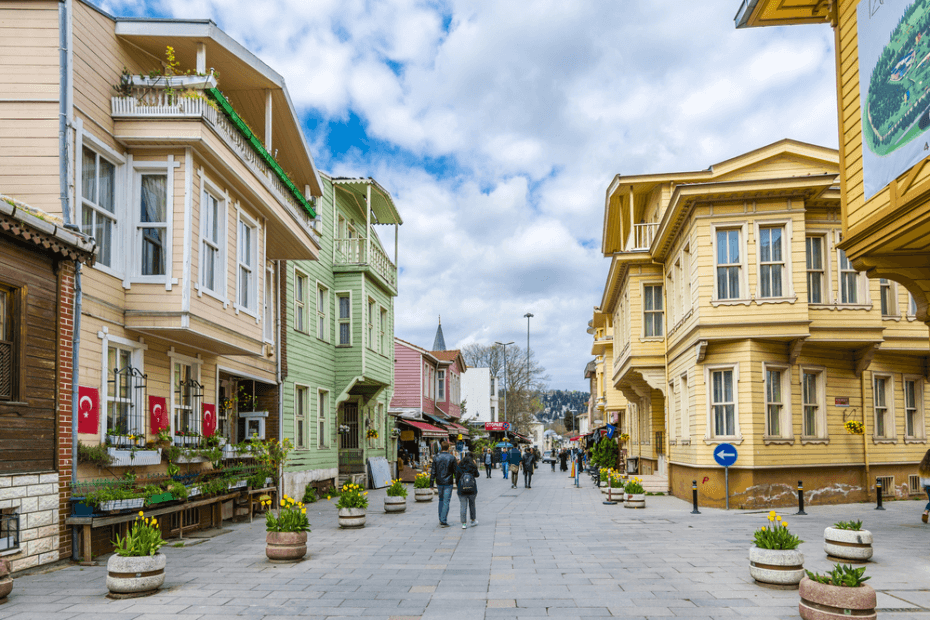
{"x": 88, "y": 410}
{"x": 209, "y": 419}
{"x": 841, "y": 401}
{"x": 158, "y": 413}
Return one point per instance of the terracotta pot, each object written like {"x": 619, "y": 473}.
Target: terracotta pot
{"x": 637, "y": 500}
{"x": 6, "y": 582}
{"x": 286, "y": 546}
{"x": 423, "y": 495}
{"x": 395, "y": 504}
{"x": 136, "y": 574}
{"x": 848, "y": 544}
{"x": 820, "y": 601}
{"x": 781, "y": 567}
{"x": 352, "y": 517}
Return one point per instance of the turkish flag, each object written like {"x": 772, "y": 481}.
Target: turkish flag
{"x": 88, "y": 410}
{"x": 158, "y": 413}
{"x": 209, "y": 419}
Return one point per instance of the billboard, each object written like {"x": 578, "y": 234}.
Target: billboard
{"x": 894, "y": 88}
{"x": 497, "y": 426}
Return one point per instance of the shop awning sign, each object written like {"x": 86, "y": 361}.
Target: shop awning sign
{"x": 497, "y": 426}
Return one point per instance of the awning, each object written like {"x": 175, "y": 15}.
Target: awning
{"x": 457, "y": 427}
{"x": 575, "y": 438}
{"x": 427, "y": 430}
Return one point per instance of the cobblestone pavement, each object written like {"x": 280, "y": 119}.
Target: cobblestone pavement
{"x": 552, "y": 551}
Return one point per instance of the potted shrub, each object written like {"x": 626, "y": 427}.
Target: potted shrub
{"x": 839, "y": 594}
{"x": 286, "y": 538}
{"x": 635, "y": 494}
{"x": 396, "y": 498}
{"x": 352, "y": 506}
{"x": 846, "y": 540}
{"x": 775, "y": 558}
{"x": 136, "y": 567}
{"x": 421, "y": 490}
{"x": 616, "y": 489}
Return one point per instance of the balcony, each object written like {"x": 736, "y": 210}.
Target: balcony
{"x": 641, "y": 237}
{"x": 351, "y": 253}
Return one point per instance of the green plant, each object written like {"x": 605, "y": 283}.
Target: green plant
{"x": 291, "y": 517}
{"x": 605, "y": 454}
{"x": 352, "y": 497}
{"x": 775, "y": 535}
{"x": 848, "y": 525}
{"x": 309, "y": 495}
{"x": 842, "y": 575}
{"x": 257, "y": 480}
{"x": 95, "y": 455}
{"x": 144, "y": 538}
{"x": 397, "y": 489}
{"x": 173, "y": 470}
{"x": 635, "y": 486}
{"x": 177, "y": 489}
{"x": 421, "y": 481}
{"x": 616, "y": 482}
{"x": 110, "y": 494}
{"x": 163, "y": 436}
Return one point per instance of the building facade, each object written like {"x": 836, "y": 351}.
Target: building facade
{"x": 480, "y": 395}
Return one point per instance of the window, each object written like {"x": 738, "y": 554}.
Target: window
{"x": 185, "y": 413}
{"x": 345, "y": 319}
{"x": 685, "y": 405}
{"x": 723, "y": 403}
{"x": 9, "y": 351}
{"x": 678, "y": 299}
{"x": 882, "y": 400}
{"x": 247, "y": 253}
{"x": 382, "y": 425}
{"x": 371, "y": 324}
{"x": 268, "y": 309}
{"x": 913, "y": 407}
{"x": 119, "y": 396}
{"x": 383, "y": 326}
{"x": 672, "y": 294}
{"x": 212, "y": 234}
{"x": 813, "y": 424}
{"x": 98, "y": 204}
{"x": 9, "y": 529}
{"x": 815, "y": 270}
{"x": 152, "y": 229}
{"x": 849, "y": 290}
{"x": 300, "y": 416}
{"x": 300, "y": 302}
{"x": 322, "y": 308}
{"x": 652, "y": 310}
{"x": 441, "y": 392}
{"x": 911, "y": 305}
{"x": 777, "y": 420}
{"x": 686, "y": 280}
{"x": 771, "y": 262}
{"x": 321, "y": 411}
{"x": 728, "y": 264}
{"x": 493, "y": 415}
{"x": 889, "y": 305}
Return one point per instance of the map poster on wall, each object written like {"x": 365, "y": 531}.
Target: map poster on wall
{"x": 894, "y": 88}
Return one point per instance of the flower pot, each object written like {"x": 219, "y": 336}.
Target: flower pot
{"x": 136, "y": 574}
{"x": 351, "y": 517}
{"x": 635, "y": 500}
{"x": 780, "y": 567}
{"x": 286, "y": 546}
{"x": 820, "y": 601}
{"x": 849, "y": 545}
{"x": 395, "y": 504}
{"x": 6, "y": 582}
{"x": 423, "y": 495}
{"x": 160, "y": 498}
{"x": 193, "y": 492}
{"x": 615, "y": 495}
{"x": 123, "y": 504}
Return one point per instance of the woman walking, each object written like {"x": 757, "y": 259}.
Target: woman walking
{"x": 488, "y": 461}
{"x": 466, "y": 480}
{"x": 924, "y": 470}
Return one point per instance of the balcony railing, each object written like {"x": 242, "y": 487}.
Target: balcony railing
{"x": 163, "y": 105}
{"x": 641, "y": 239}
{"x": 352, "y": 252}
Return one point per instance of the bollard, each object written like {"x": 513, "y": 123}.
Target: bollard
{"x": 800, "y": 498}
{"x": 878, "y": 494}
{"x": 694, "y": 497}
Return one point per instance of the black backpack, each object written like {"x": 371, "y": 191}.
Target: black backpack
{"x": 469, "y": 484}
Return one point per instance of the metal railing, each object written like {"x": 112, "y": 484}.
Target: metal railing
{"x": 352, "y": 252}
{"x": 642, "y": 236}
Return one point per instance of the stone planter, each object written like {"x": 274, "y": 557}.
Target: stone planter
{"x": 135, "y": 575}
{"x": 848, "y": 545}
{"x": 351, "y": 517}
{"x": 6, "y": 582}
{"x": 395, "y": 504}
{"x": 780, "y": 567}
{"x": 820, "y": 601}
{"x": 286, "y": 546}
{"x": 423, "y": 495}
{"x": 637, "y": 500}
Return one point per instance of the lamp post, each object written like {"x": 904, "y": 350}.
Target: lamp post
{"x": 505, "y": 345}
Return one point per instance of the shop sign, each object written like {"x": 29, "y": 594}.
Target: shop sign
{"x": 841, "y": 401}
{"x": 497, "y": 426}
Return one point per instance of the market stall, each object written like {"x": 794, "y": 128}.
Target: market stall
{"x": 414, "y": 450}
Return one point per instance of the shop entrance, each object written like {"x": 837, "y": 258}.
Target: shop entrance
{"x": 351, "y": 456}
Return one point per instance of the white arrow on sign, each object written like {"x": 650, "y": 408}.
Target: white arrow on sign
{"x": 725, "y": 455}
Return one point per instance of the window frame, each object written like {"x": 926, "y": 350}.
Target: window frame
{"x": 138, "y": 361}
{"x": 269, "y": 305}
{"x": 344, "y": 321}
{"x": 441, "y": 385}
{"x": 684, "y": 404}
{"x": 893, "y": 311}
{"x": 95, "y": 206}
{"x": 890, "y": 434}
{"x": 645, "y": 284}
{"x": 822, "y": 431}
{"x": 787, "y": 273}
{"x": 371, "y": 324}
{"x": 139, "y": 170}
{"x": 322, "y": 313}
{"x": 322, "y": 415}
{"x": 243, "y": 218}
{"x": 786, "y": 422}
{"x": 220, "y": 267}
{"x": 17, "y": 311}
{"x": 911, "y": 307}
{"x": 687, "y": 303}
{"x": 864, "y": 295}
{"x": 122, "y": 180}
{"x": 383, "y": 318}
{"x": 196, "y": 372}
{"x": 743, "y": 229}
{"x": 919, "y": 425}
{"x": 300, "y": 305}
{"x": 710, "y": 436}
{"x": 300, "y": 419}
{"x": 823, "y": 271}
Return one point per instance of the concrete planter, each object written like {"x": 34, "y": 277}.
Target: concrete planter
{"x": 780, "y": 567}
{"x": 637, "y": 500}
{"x": 285, "y": 546}
{"x": 352, "y": 517}
{"x": 395, "y": 504}
{"x": 850, "y": 545}
{"x": 6, "y": 582}
{"x": 615, "y": 495}
{"x": 136, "y": 575}
{"x": 820, "y": 601}
{"x": 423, "y": 495}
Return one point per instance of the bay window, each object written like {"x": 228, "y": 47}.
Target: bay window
{"x": 771, "y": 262}
{"x": 98, "y": 203}
{"x": 729, "y": 265}
{"x": 152, "y": 228}
{"x": 652, "y": 310}
{"x": 247, "y": 259}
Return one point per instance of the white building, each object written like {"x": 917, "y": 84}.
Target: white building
{"x": 479, "y": 391}
{"x": 536, "y": 434}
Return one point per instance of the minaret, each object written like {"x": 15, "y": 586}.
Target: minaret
{"x": 439, "y": 343}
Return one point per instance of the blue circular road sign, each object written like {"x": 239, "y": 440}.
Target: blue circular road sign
{"x": 725, "y": 454}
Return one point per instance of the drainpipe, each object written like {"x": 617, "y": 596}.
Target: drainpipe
{"x": 278, "y": 350}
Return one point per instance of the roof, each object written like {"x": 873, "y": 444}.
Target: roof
{"x": 428, "y": 430}
{"x": 46, "y": 231}
{"x": 419, "y": 350}
{"x": 754, "y": 13}
{"x": 450, "y": 356}
{"x": 382, "y": 205}
{"x": 439, "y": 342}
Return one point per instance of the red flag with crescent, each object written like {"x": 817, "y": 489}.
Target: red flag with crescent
{"x": 88, "y": 410}
{"x": 209, "y": 419}
{"x": 158, "y": 413}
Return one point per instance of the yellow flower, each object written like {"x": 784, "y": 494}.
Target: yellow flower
{"x": 327, "y": 497}
{"x": 764, "y": 528}
{"x": 771, "y": 518}
{"x": 154, "y": 522}
{"x": 771, "y": 513}
{"x": 141, "y": 514}
{"x": 784, "y": 524}
{"x": 778, "y": 518}
{"x": 365, "y": 493}
{"x": 303, "y": 510}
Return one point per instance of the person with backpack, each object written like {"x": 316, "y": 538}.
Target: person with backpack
{"x": 529, "y": 464}
{"x": 466, "y": 479}
{"x": 488, "y": 461}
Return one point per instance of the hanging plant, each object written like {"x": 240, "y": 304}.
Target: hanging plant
{"x": 854, "y": 427}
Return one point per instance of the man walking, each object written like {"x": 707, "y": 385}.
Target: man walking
{"x": 504, "y": 463}
{"x": 529, "y": 464}
{"x": 488, "y": 461}
{"x": 579, "y": 462}
{"x": 443, "y": 476}
{"x": 515, "y": 457}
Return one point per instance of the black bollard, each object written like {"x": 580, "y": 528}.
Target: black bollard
{"x": 878, "y": 494}
{"x": 694, "y": 497}
{"x": 800, "y": 499}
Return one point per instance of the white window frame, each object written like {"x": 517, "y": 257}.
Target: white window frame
{"x": 382, "y": 339}
{"x": 826, "y": 287}
{"x": 94, "y": 205}
{"x": 911, "y": 307}
{"x": 322, "y": 312}
{"x": 920, "y": 434}
{"x": 151, "y": 168}
{"x": 787, "y": 274}
{"x": 301, "y": 403}
{"x": 195, "y": 363}
{"x": 785, "y": 421}
{"x": 136, "y": 352}
{"x": 221, "y": 246}
{"x": 684, "y": 392}
{"x": 121, "y": 191}
{"x": 890, "y": 435}
{"x": 300, "y": 305}
{"x": 710, "y": 436}
{"x": 340, "y": 321}
{"x": 269, "y": 315}
{"x": 671, "y": 291}
{"x": 441, "y": 385}
{"x": 686, "y": 300}
{"x": 893, "y": 312}
{"x": 863, "y": 296}
{"x": 371, "y": 324}
{"x": 661, "y": 313}
{"x": 322, "y": 417}
{"x": 252, "y": 308}
{"x": 743, "y": 229}
{"x": 821, "y": 434}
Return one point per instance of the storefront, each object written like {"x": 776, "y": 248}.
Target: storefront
{"x": 417, "y": 443}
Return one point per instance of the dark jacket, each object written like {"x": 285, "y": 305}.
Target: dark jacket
{"x": 515, "y": 457}
{"x": 443, "y": 469}
{"x": 461, "y": 470}
{"x": 528, "y": 459}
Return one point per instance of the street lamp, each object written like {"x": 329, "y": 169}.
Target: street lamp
{"x": 528, "y": 316}
{"x": 505, "y": 345}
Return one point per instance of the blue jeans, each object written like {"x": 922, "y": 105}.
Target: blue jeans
{"x": 445, "y": 498}
{"x": 927, "y": 491}
{"x": 504, "y": 467}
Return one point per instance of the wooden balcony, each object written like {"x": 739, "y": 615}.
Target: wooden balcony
{"x": 641, "y": 238}
{"x": 351, "y": 253}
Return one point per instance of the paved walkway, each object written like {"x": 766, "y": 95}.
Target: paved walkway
{"x": 552, "y": 551}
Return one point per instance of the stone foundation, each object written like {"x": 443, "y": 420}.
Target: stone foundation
{"x": 34, "y": 497}
{"x": 296, "y": 481}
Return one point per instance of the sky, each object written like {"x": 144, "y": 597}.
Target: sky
{"x": 497, "y": 126}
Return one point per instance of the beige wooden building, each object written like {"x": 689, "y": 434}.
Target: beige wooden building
{"x": 608, "y": 404}
{"x": 738, "y": 319}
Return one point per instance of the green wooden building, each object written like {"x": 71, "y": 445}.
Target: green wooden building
{"x": 338, "y": 349}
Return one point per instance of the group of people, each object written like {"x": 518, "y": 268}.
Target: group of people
{"x": 511, "y": 462}
{"x": 463, "y": 473}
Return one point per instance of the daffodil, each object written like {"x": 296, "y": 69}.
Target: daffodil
{"x": 778, "y": 518}
{"x": 141, "y": 514}
{"x": 771, "y": 513}
{"x": 784, "y": 524}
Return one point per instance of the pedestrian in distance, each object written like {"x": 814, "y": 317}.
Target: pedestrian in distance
{"x": 563, "y": 460}
{"x": 488, "y": 461}
{"x": 514, "y": 458}
{"x": 924, "y": 471}
{"x": 504, "y": 463}
{"x": 466, "y": 474}
{"x": 529, "y": 464}
{"x": 443, "y": 476}
{"x": 579, "y": 463}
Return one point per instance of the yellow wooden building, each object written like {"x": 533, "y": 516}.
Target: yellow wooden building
{"x": 608, "y": 404}
{"x": 737, "y": 318}
{"x": 884, "y": 175}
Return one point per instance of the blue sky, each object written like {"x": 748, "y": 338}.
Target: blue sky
{"x": 497, "y": 127}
